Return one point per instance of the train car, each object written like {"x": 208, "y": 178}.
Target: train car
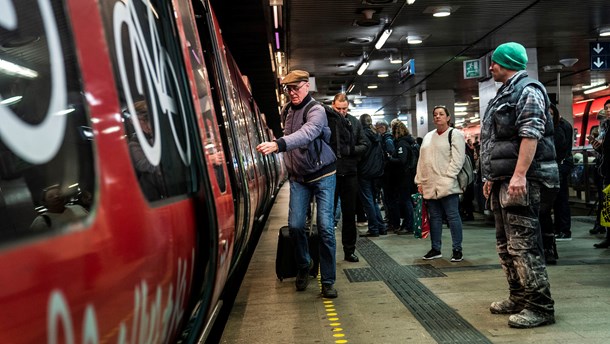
{"x": 130, "y": 187}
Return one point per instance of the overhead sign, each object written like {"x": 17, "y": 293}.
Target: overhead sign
{"x": 600, "y": 55}
{"x": 406, "y": 71}
{"x": 472, "y": 69}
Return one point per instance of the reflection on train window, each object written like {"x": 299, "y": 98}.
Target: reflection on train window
{"x": 214, "y": 154}
{"x": 158, "y": 115}
{"x": 45, "y": 137}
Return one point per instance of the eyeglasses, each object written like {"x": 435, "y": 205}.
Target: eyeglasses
{"x": 291, "y": 88}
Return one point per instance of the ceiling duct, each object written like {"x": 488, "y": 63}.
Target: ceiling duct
{"x": 368, "y": 18}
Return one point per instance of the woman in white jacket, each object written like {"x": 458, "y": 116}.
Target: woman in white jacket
{"x": 439, "y": 164}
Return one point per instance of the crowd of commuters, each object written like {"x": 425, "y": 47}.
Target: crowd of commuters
{"x": 522, "y": 165}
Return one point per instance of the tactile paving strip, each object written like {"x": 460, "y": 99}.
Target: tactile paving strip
{"x": 443, "y": 323}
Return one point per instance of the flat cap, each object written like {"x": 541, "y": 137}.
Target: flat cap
{"x": 295, "y": 77}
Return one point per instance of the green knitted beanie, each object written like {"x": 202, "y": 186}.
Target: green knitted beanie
{"x": 511, "y": 56}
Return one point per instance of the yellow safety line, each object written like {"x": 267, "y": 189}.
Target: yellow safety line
{"x": 333, "y": 318}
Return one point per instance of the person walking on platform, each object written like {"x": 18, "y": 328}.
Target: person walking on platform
{"x": 351, "y": 144}
{"x": 400, "y": 179}
{"x": 312, "y": 171}
{"x": 602, "y": 146}
{"x": 518, "y": 165}
{"x": 440, "y": 160}
{"x": 387, "y": 145}
{"x": 370, "y": 169}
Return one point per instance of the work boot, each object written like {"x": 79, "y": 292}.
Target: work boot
{"x": 302, "y": 280}
{"x": 505, "y": 307}
{"x": 528, "y": 319}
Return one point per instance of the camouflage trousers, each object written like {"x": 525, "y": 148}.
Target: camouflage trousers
{"x": 519, "y": 245}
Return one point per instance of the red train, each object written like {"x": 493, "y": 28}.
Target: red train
{"x": 133, "y": 120}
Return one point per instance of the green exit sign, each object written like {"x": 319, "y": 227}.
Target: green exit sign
{"x": 472, "y": 69}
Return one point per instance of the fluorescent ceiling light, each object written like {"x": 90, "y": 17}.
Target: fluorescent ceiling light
{"x": 605, "y": 32}
{"x": 475, "y": 120}
{"x": 595, "y": 89}
{"x": 395, "y": 60}
{"x": 442, "y": 12}
{"x": 384, "y": 37}
{"x": 15, "y": 69}
{"x": 461, "y": 104}
{"x": 350, "y": 88}
{"x": 11, "y": 100}
{"x": 410, "y": 2}
{"x": 362, "y": 68}
{"x": 383, "y": 74}
{"x": 372, "y": 87}
{"x": 414, "y": 40}
{"x": 460, "y": 108}
{"x": 460, "y": 113}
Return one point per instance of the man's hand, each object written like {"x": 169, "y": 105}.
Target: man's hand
{"x": 487, "y": 188}
{"x": 517, "y": 186}
{"x": 267, "y": 147}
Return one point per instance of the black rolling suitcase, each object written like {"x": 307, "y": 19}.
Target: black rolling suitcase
{"x": 285, "y": 264}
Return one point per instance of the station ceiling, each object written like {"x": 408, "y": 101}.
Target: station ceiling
{"x": 331, "y": 39}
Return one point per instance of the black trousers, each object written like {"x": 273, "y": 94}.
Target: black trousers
{"x": 347, "y": 189}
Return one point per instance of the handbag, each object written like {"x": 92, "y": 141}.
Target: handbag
{"x": 604, "y": 218}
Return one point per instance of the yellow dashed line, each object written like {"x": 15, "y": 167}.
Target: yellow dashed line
{"x": 332, "y": 315}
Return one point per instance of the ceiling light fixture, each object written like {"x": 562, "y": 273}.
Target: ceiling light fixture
{"x": 444, "y": 11}
{"x": 410, "y": 2}
{"x": 362, "y": 68}
{"x": 595, "y": 89}
{"x": 394, "y": 60}
{"x": 414, "y": 40}
{"x": 604, "y": 32}
{"x": 372, "y": 87}
{"x": 384, "y": 37}
{"x": 350, "y": 88}
{"x": 383, "y": 74}
{"x": 569, "y": 62}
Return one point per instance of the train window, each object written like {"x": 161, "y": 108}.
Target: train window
{"x": 153, "y": 89}
{"x": 214, "y": 154}
{"x": 46, "y": 155}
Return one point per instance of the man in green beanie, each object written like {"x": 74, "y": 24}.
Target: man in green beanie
{"x": 518, "y": 166}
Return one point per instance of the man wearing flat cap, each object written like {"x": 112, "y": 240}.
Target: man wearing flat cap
{"x": 518, "y": 165}
{"x": 311, "y": 165}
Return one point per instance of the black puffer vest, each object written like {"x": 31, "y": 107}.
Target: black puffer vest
{"x": 500, "y": 141}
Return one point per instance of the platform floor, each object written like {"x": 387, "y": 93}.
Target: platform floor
{"x": 394, "y": 296}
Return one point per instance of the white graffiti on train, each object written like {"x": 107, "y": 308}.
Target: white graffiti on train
{"x": 37, "y": 144}
{"x": 151, "y": 323}
{"x": 159, "y": 76}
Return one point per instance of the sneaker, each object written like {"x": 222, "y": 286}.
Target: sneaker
{"x": 528, "y": 319}
{"x": 603, "y": 244}
{"x": 563, "y": 237}
{"x": 432, "y": 254}
{"x": 505, "y": 307}
{"x": 302, "y": 280}
{"x": 457, "y": 256}
{"x": 329, "y": 291}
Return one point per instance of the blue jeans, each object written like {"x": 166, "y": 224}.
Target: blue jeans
{"x": 450, "y": 206}
{"x": 324, "y": 191}
{"x": 367, "y": 190}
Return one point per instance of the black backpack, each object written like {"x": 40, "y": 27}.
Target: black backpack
{"x": 372, "y": 163}
{"x": 413, "y": 158}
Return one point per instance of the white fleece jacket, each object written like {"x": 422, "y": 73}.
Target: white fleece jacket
{"x": 439, "y": 164}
